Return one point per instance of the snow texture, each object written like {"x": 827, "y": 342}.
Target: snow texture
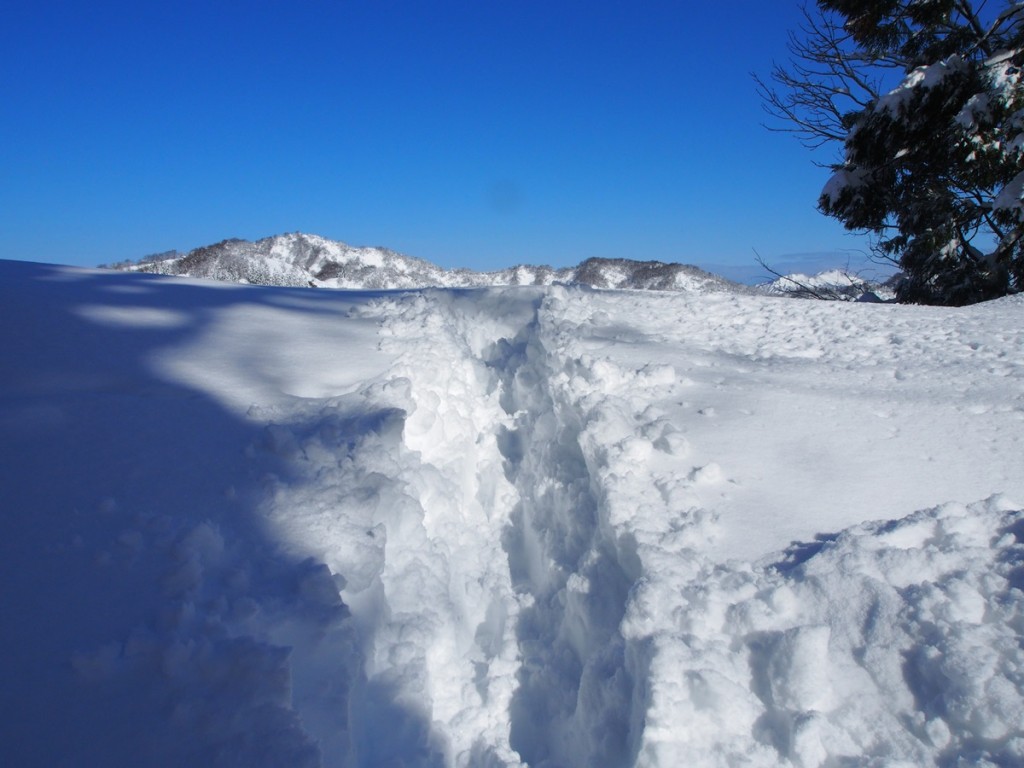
{"x": 544, "y": 526}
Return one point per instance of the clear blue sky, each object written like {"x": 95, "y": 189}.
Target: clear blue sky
{"x": 478, "y": 133}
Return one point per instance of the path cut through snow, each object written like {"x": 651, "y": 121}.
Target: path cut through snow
{"x": 506, "y": 527}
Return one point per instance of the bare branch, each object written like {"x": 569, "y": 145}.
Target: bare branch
{"x": 822, "y": 294}
{"x": 826, "y": 79}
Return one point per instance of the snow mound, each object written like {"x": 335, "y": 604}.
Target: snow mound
{"x": 890, "y": 641}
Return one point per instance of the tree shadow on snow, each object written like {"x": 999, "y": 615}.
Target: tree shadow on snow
{"x": 150, "y": 616}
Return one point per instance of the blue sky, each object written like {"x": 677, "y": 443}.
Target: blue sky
{"x": 476, "y": 134}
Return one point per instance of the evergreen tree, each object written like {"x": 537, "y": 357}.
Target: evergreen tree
{"x": 926, "y": 98}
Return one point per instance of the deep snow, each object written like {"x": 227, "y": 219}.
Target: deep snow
{"x": 544, "y": 526}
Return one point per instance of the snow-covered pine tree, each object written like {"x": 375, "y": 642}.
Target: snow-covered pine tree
{"x": 927, "y": 99}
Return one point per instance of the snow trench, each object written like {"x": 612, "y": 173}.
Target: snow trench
{"x": 573, "y": 702}
{"x": 465, "y": 531}
{"x": 546, "y": 655}
{"x": 514, "y": 572}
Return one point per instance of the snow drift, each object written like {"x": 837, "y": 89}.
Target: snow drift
{"x": 539, "y": 526}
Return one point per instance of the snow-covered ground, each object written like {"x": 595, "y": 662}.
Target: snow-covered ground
{"x": 495, "y": 527}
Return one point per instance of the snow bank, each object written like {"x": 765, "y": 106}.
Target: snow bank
{"x": 895, "y": 641}
{"x": 524, "y": 526}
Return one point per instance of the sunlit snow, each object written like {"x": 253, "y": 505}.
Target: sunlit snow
{"x": 541, "y": 526}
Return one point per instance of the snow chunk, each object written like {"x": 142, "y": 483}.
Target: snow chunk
{"x": 798, "y": 669}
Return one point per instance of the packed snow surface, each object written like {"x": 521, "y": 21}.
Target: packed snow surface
{"x": 539, "y": 526}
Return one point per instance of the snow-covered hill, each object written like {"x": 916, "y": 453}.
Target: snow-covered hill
{"x": 309, "y": 260}
{"x": 831, "y": 285}
{"x": 543, "y": 526}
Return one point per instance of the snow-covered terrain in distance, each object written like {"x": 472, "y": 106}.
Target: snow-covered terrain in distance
{"x": 541, "y": 526}
{"x": 302, "y": 260}
{"x": 831, "y": 285}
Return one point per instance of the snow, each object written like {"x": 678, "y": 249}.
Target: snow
{"x": 923, "y": 77}
{"x": 545, "y": 526}
{"x": 844, "y": 179}
{"x": 1012, "y": 196}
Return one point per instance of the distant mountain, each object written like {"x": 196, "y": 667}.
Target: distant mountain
{"x": 831, "y": 285}
{"x": 310, "y": 260}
